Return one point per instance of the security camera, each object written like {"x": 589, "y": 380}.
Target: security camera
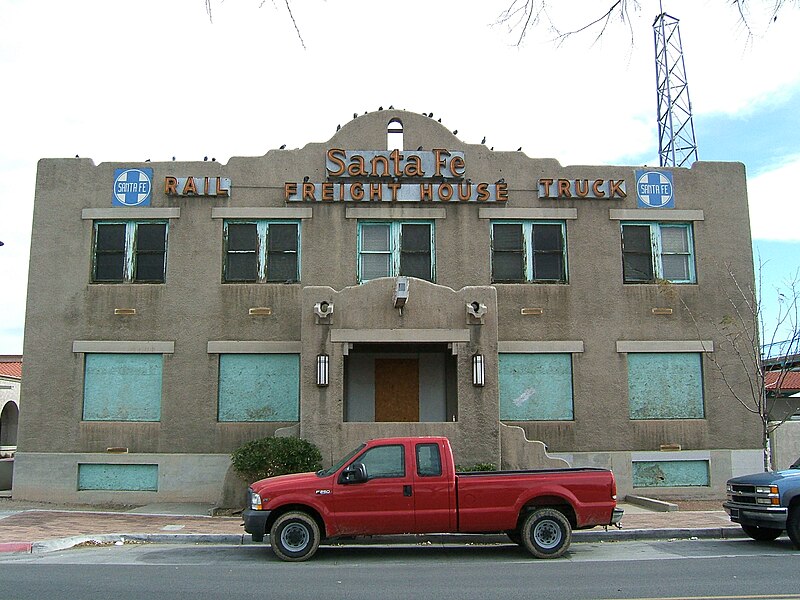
{"x": 476, "y": 309}
{"x": 323, "y": 309}
{"x": 400, "y": 295}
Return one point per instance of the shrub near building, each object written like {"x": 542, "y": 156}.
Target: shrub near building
{"x": 268, "y": 457}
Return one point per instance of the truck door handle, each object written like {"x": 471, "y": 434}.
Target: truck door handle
{"x": 406, "y": 490}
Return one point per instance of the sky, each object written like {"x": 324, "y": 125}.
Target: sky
{"x": 129, "y": 81}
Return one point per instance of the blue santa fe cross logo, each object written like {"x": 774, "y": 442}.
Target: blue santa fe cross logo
{"x": 132, "y": 187}
{"x": 654, "y": 189}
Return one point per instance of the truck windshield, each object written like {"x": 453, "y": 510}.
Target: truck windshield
{"x": 339, "y": 463}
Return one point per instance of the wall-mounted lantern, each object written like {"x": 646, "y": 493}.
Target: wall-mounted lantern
{"x": 478, "y": 370}
{"x": 323, "y": 362}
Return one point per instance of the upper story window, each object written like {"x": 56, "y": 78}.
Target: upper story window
{"x": 529, "y": 252}
{"x": 129, "y": 252}
{"x": 261, "y": 251}
{"x": 657, "y": 251}
{"x": 394, "y": 135}
{"x": 392, "y": 248}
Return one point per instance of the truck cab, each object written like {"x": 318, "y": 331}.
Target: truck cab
{"x": 766, "y": 504}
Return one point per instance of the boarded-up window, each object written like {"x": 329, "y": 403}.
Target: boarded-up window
{"x": 118, "y": 478}
{"x": 122, "y": 387}
{"x": 671, "y": 473}
{"x": 535, "y": 387}
{"x": 665, "y": 385}
{"x": 259, "y": 387}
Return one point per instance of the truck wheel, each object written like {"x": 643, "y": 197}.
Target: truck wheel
{"x": 793, "y": 525}
{"x": 761, "y": 534}
{"x": 546, "y": 533}
{"x": 294, "y": 536}
{"x": 514, "y": 536}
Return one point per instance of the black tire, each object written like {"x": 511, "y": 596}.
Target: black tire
{"x": 514, "y": 536}
{"x": 793, "y": 525}
{"x": 294, "y": 536}
{"x": 546, "y": 533}
{"x": 761, "y": 534}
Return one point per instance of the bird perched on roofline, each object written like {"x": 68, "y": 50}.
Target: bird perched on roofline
{"x": 283, "y": 147}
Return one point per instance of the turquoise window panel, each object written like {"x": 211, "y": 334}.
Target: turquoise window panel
{"x": 118, "y": 478}
{"x": 665, "y": 385}
{"x": 122, "y": 387}
{"x": 259, "y": 387}
{"x": 535, "y": 387}
{"x": 671, "y": 473}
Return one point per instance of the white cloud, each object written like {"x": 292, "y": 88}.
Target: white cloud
{"x": 775, "y": 202}
{"x": 155, "y": 80}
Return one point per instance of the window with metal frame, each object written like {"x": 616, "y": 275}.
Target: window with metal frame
{"x": 393, "y": 248}
{"x": 654, "y": 252}
{"x": 529, "y": 252}
{"x": 129, "y": 252}
{"x": 261, "y": 251}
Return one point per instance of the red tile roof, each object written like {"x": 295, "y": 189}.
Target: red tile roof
{"x": 11, "y": 369}
{"x": 783, "y": 380}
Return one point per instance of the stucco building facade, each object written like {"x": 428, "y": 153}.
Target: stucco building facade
{"x": 360, "y": 288}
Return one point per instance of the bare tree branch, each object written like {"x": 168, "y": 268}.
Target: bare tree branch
{"x": 524, "y": 15}
{"x": 288, "y": 8}
{"x": 741, "y": 334}
{"x": 296, "y": 28}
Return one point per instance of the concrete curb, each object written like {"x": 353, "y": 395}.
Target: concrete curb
{"x": 588, "y": 536}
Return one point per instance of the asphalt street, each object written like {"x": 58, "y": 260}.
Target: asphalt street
{"x": 715, "y": 569}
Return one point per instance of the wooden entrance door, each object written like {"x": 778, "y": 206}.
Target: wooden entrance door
{"x": 397, "y": 390}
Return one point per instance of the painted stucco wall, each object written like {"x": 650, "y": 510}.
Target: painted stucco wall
{"x": 199, "y": 318}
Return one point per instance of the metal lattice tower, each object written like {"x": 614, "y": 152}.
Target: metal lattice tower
{"x": 676, "y": 143}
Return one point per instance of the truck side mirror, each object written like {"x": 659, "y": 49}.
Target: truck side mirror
{"x": 355, "y": 473}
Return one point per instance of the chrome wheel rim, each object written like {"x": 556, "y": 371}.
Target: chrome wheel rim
{"x": 295, "y": 537}
{"x": 547, "y": 534}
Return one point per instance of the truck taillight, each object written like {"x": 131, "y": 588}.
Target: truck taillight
{"x": 613, "y": 488}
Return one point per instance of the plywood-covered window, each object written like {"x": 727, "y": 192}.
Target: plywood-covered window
{"x": 259, "y": 387}
{"x": 535, "y": 387}
{"x": 122, "y": 387}
{"x": 665, "y": 385}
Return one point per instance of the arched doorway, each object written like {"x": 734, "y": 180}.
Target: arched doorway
{"x": 9, "y": 418}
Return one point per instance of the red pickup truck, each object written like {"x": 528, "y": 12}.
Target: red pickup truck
{"x": 410, "y": 485}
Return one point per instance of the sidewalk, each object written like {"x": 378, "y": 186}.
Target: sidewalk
{"x": 45, "y": 530}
